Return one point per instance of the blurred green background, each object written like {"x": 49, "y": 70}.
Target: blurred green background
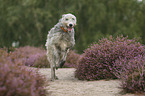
{"x": 28, "y": 21}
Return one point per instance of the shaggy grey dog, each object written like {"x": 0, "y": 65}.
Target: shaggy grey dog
{"x": 59, "y": 41}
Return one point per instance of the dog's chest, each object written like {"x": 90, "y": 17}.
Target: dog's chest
{"x": 67, "y": 39}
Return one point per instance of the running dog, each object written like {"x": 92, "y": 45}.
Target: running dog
{"x": 60, "y": 40}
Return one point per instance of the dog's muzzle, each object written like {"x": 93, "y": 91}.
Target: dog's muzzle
{"x": 69, "y": 27}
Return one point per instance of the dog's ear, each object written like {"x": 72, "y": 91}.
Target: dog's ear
{"x": 63, "y": 15}
{"x": 60, "y": 20}
{"x": 74, "y": 20}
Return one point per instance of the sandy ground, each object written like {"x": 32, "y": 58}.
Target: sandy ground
{"x": 68, "y": 85}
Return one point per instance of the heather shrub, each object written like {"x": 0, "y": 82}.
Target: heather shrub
{"x": 3, "y": 54}
{"x": 18, "y": 80}
{"x": 132, "y": 73}
{"x": 97, "y": 61}
{"x": 31, "y": 56}
{"x": 71, "y": 61}
{"x": 42, "y": 62}
{"x": 36, "y": 57}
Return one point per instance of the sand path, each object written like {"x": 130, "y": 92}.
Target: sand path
{"x": 68, "y": 85}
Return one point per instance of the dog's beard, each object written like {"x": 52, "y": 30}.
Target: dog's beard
{"x": 69, "y": 28}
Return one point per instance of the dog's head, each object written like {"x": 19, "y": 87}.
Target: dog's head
{"x": 68, "y": 21}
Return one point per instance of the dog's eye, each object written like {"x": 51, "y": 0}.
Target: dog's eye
{"x": 73, "y": 18}
{"x": 66, "y": 19}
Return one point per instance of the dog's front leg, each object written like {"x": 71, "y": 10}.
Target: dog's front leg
{"x": 51, "y": 53}
{"x": 52, "y": 73}
{"x": 53, "y": 76}
{"x": 63, "y": 59}
{"x": 55, "y": 60}
{"x": 52, "y": 65}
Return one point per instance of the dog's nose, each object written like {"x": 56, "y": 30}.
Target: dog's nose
{"x": 70, "y": 25}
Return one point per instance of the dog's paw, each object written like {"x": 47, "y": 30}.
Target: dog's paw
{"x": 55, "y": 78}
{"x": 57, "y": 67}
{"x": 61, "y": 63}
{"x": 51, "y": 79}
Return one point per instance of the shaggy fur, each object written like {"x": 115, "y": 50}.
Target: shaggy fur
{"x": 59, "y": 41}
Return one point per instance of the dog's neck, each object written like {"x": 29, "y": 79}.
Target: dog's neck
{"x": 59, "y": 26}
{"x": 63, "y": 29}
